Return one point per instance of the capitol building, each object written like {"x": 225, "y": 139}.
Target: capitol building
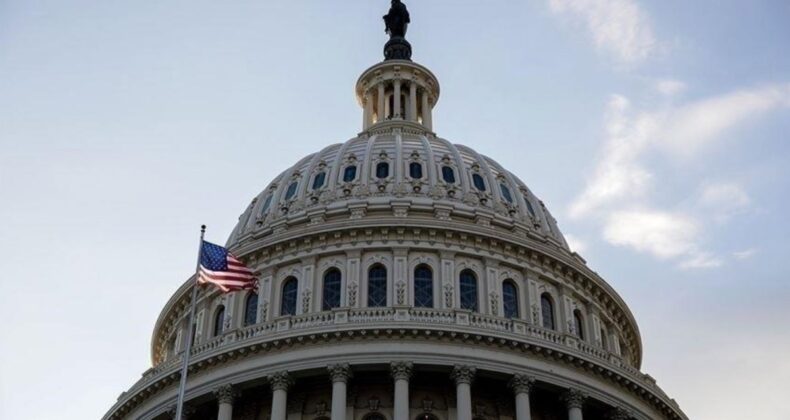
{"x": 401, "y": 277}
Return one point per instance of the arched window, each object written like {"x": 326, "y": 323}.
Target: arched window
{"x": 331, "y": 289}
{"x": 266, "y": 205}
{"x": 251, "y": 309}
{"x": 219, "y": 321}
{"x": 423, "y": 286}
{"x": 415, "y": 170}
{"x": 377, "y": 286}
{"x": 448, "y": 174}
{"x": 288, "y": 298}
{"x": 350, "y": 173}
{"x": 382, "y": 170}
{"x": 478, "y": 181}
{"x": 529, "y": 207}
{"x": 289, "y": 193}
{"x": 578, "y": 323}
{"x": 510, "y": 299}
{"x": 547, "y": 311}
{"x": 506, "y": 193}
{"x": 319, "y": 179}
{"x": 468, "y": 290}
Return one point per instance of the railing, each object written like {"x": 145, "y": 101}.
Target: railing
{"x": 406, "y": 316}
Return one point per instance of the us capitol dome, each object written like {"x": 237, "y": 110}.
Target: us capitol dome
{"x": 401, "y": 277}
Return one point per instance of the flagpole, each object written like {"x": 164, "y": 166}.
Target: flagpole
{"x": 185, "y": 365}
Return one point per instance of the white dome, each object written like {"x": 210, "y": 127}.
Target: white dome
{"x": 366, "y": 175}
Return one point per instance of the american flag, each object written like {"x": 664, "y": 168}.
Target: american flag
{"x": 220, "y": 268}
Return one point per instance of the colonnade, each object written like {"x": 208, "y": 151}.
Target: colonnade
{"x": 401, "y": 372}
{"x": 417, "y": 106}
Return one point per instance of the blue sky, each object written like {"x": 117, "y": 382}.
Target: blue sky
{"x": 656, "y": 132}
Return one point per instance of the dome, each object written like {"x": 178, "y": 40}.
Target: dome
{"x": 401, "y": 174}
{"x": 399, "y": 277}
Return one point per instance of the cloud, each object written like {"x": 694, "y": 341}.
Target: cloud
{"x": 724, "y": 200}
{"x": 745, "y": 254}
{"x": 664, "y": 235}
{"x": 670, "y": 87}
{"x": 622, "y": 182}
{"x": 618, "y": 27}
{"x": 575, "y": 244}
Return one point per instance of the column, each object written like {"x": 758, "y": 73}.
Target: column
{"x": 279, "y": 382}
{"x": 521, "y": 384}
{"x": 413, "y": 101}
{"x": 380, "y": 112}
{"x": 463, "y": 376}
{"x": 401, "y": 372}
{"x": 574, "y": 400}
{"x": 396, "y": 101}
{"x": 340, "y": 374}
{"x": 225, "y": 396}
{"x": 367, "y": 117}
{"x": 426, "y": 111}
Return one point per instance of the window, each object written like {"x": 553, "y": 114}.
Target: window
{"x": 415, "y": 170}
{"x": 251, "y": 309}
{"x": 547, "y": 311}
{"x": 289, "y": 193}
{"x": 288, "y": 298}
{"x": 529, "y": 207}
{"x": 377, "y": 286}
{"x": 319, "y": 179}
{"x": 350, "y": 173}
{"x": 423, "y": 287}
{"x": 331, "y": 290}
{"x": 382, "y": 170}
{"x": 219, "y": 320}
{"x": 448, "y": 174}
{"x": 578, "y": 323}
{"x": 604, "y": 342}
{"x": 468, "y": 290}
{"x": 478, "y": 181}
{"x": 266, "y": 205}
{"x": 506, "y": 193}
{"x": 510, "y": 299}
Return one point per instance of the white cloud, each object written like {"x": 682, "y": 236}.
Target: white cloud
{"x": 619, "y": 27}
{"x": 664, "y": 235}
{"x": 724, "y": 200}
{"x": 745, "y": 254}
{"x": 621, "y": 181}
{"x": 575, "y": 244}
{"x": 670, "y": 87}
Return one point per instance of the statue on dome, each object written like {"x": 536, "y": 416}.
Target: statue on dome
{"x": 397, "y": 20}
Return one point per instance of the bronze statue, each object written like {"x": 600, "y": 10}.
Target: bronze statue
{"x": 397, "y": 20}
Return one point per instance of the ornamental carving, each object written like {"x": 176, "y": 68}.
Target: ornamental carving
{"x": 280, "y": 381}
{"x": 574, "y": 398}
{"x": 400, "y": 292}
{"x": 448, "y": 295}
{"x": 225, "y": 394}
{"x": 521, "y": 384}
{"x": 463, "y": 374}
{"x": 340, "y": 372}
{"x": 306, "y": 294}
{"x": 401, "y": 370}
{"x": 352, "y": 294}
{"x": 494, "y": 296}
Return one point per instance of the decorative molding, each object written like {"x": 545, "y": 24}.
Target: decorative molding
{"x": 401, "y": 370}
{"x": 225, "y": 394}
{"x": 280, "y": 381}
{"x": 340, "y": 372}
{"x": 521, "y": 384}
{"x": 574, "y": 398}
{"x": 462, "y": 374}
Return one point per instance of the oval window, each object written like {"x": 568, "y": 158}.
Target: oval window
{"x": 289, "y": 193}
{"x": 448, "y": 174}
{"x": 506, "y": 193}
{"x": 415, "y": 170}
{"x": 319, "y": 179}
{"x": 350, "y": 173}
{"x": 478, "y": 181}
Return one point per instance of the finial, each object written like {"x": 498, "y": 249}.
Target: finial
{"x": 397, "y": 21}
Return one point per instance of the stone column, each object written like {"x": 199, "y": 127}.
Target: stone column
{"x": 426, "y": 110}
{"x": 413, "y": 101}
{"x": 380, "y": 112}
{"x": 401, "y": 372}
{"x": 340, "y": 374}
{"x": 396, "y": 101}
{"x": 521, "y": 384}
{"x": 225, "y": 396}
{"x": 463, "y": 376}
{"x": 574, "y": 400}
{"x": 280, "y": 382}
